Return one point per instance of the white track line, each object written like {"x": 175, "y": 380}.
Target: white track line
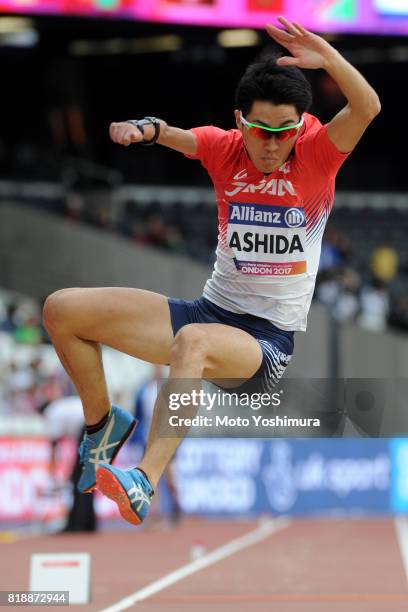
{"x": 401, "y": 528}
{"x": 257, "y": 535}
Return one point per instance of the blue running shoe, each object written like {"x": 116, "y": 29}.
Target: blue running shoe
{"x": 129, "y": 489}
{"x": 103, "y": 446}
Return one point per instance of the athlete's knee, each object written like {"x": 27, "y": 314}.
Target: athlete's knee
{"x": 190, "y": 342}
{"x": 56, "y": 310}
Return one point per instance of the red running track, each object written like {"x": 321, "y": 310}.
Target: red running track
{"x": 307, "y": 566}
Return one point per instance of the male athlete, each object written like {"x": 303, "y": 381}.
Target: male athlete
{"x": 274, "y": 180}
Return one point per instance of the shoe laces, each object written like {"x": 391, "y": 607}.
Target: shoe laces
{"x": 85, "y": 449}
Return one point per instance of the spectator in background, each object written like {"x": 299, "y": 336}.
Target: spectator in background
{"x": 65, "y": 418}
{"x": 399, "y": 312}
{"x": 375, "y": 306}
{"x": 23, "y": 321}
{"x": 8, "y": 323}
{"x": 21, "y": 389}
{"x": 337, "y": 287}
{"x": 384, "y": 263}
{"x": 347, "y": 303}
{"x": 340, "y": 293}
{"x": 335, "y": 249}
{"x": 160, "y": 234}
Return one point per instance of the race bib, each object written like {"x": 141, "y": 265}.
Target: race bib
{"x": 267, "y": 240}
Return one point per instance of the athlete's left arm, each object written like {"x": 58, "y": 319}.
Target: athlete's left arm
{"x": 311, "y": 51}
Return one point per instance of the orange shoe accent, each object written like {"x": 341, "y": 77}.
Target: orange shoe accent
{"x": 109, "y": 486}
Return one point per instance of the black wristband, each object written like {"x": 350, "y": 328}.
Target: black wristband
{"x": 140, "y": 123}
{"x": 136, "y": 123}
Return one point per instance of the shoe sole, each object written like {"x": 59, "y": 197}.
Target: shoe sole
{"x": 121, "y": 443}
{"x": 110, "y": 486}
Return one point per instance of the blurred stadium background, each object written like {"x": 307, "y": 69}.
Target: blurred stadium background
{"x": 77, "y": 210}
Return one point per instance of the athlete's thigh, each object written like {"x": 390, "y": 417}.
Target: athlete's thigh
{"x": 231, "y": 354}
{"x": 133, "y": 321}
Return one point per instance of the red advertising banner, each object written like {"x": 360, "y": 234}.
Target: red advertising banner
{"x": 30, "y": 493}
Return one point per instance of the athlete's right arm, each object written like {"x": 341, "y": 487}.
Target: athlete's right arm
{"x": 175, "y": 138}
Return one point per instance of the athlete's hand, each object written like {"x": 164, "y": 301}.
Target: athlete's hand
{"x": 125, "y": 134}
{"x": 308, "y": 49}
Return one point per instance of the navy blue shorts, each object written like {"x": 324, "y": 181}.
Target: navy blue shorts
{"x": 276, "y": 344}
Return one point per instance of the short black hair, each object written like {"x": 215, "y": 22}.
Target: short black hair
{"x": 266, "y": 80}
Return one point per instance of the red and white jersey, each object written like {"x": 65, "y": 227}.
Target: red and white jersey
{"x": 270, "y": 226}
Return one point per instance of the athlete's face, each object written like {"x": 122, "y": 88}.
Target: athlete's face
{"x": 267, "y": 155}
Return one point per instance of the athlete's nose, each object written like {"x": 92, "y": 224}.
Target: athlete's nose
{"x": 272, "y": 144}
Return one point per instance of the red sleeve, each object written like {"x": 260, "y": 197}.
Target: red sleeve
{"x": 213, "y": 145}
{"x": 315, "y": 148}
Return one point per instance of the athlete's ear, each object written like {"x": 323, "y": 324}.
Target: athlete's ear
{"x": 237, "y": 114}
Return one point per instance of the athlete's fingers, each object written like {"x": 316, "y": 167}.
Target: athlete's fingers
{"x": 125, "y": 134}
{"x": 289, "y": 26}
{"x": 301, "y": 28}
{"x": 136, "y": 135}
{"x": 279, "y": 35}
{"x": 286, "y": 60}
{"x": 112, "y": 130}
{"x": 115, "y": 132}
